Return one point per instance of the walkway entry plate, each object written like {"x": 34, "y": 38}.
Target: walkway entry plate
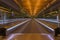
{"x": 30, "y": 36}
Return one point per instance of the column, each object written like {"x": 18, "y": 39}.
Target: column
{"x": 58, "y": 19}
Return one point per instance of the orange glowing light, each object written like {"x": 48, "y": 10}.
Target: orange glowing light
{"x": 28, "y": 6}
{"x": 33, "y": 6}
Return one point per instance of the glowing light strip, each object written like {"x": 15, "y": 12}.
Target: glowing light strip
{"x": 29, "y": 6}
{"x": 36, "y": 6}
{"x": 50, "y": 37}
{"x": 17, "y": 25}
{"x": 45, "y": 25}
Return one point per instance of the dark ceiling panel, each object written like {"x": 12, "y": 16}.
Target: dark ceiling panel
{"x": 4, "y": 5}
{"x": 54, "y": 6}
{"x": 11, "y": 3}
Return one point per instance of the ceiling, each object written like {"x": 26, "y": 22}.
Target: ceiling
{"x": 33, "y": 6}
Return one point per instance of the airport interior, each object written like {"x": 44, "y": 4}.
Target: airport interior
{"x": 29, "y": 19}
